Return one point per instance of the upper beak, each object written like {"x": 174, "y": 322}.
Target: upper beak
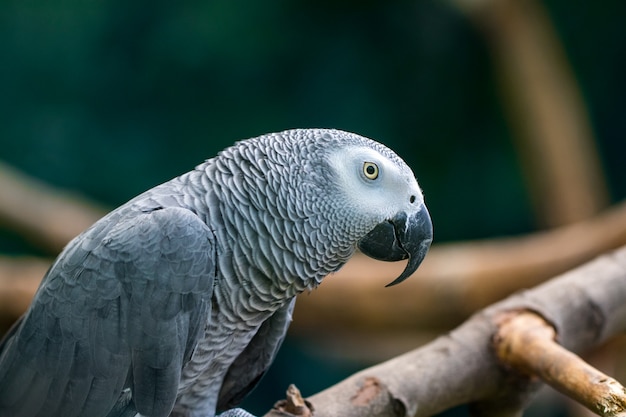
{"x": 400, "y": 238}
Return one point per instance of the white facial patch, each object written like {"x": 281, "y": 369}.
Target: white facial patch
{"x": 391, "y": 188}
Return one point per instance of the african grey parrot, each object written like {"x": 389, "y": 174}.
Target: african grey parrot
{"x": 175, "y": 303}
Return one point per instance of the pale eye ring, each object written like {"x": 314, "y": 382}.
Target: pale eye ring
{"x": 370, "y": 170}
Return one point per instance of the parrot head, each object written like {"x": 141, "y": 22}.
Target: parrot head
{"x": 381, "y": 187}
{"x": 319, "y": 195}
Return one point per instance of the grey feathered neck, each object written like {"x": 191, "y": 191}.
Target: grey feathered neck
{"x": 281, "y": 222}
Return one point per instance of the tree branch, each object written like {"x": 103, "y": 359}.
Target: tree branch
{"x": 585, "y": 307}
{"x": 527, "y": 343}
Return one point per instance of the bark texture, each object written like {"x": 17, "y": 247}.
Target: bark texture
{"x": 585, "y": 307}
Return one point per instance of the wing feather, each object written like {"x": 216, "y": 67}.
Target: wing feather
{"x": 122, "y": 307}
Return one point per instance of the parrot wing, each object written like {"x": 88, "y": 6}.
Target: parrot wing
{"x": 246, "y": 371}
{"x": 123, "y": 307}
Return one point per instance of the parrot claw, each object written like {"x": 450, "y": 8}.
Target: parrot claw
{"x": 236, "y": 412}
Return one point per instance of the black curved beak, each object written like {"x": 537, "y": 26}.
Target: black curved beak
{"x": 400, "y": 238}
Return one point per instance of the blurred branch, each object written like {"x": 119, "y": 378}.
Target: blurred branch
{"x": 47, "y": 216}
{"x": 19, "y": 279}
{"x": 455, "y": 279}
{"x": 555, "y": 138}
{"x": 585, "y": 307}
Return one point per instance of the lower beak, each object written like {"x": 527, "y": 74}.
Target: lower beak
{"x": 400, "y": 238}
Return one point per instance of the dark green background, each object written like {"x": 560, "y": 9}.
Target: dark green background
{"x": 110, "y": 97}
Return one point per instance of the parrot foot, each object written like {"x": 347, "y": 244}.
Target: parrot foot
{"x": 235, "y": 412}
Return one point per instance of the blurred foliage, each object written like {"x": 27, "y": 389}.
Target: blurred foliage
{"x": 110, "y": 97}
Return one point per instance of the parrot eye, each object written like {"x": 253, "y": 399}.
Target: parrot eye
{"x": 370, "y": 170}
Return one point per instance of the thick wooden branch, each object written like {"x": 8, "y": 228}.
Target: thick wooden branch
{"x": 585, "y": 307}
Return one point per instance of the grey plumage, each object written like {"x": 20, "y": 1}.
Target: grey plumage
{"x": 178, "y": 301}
